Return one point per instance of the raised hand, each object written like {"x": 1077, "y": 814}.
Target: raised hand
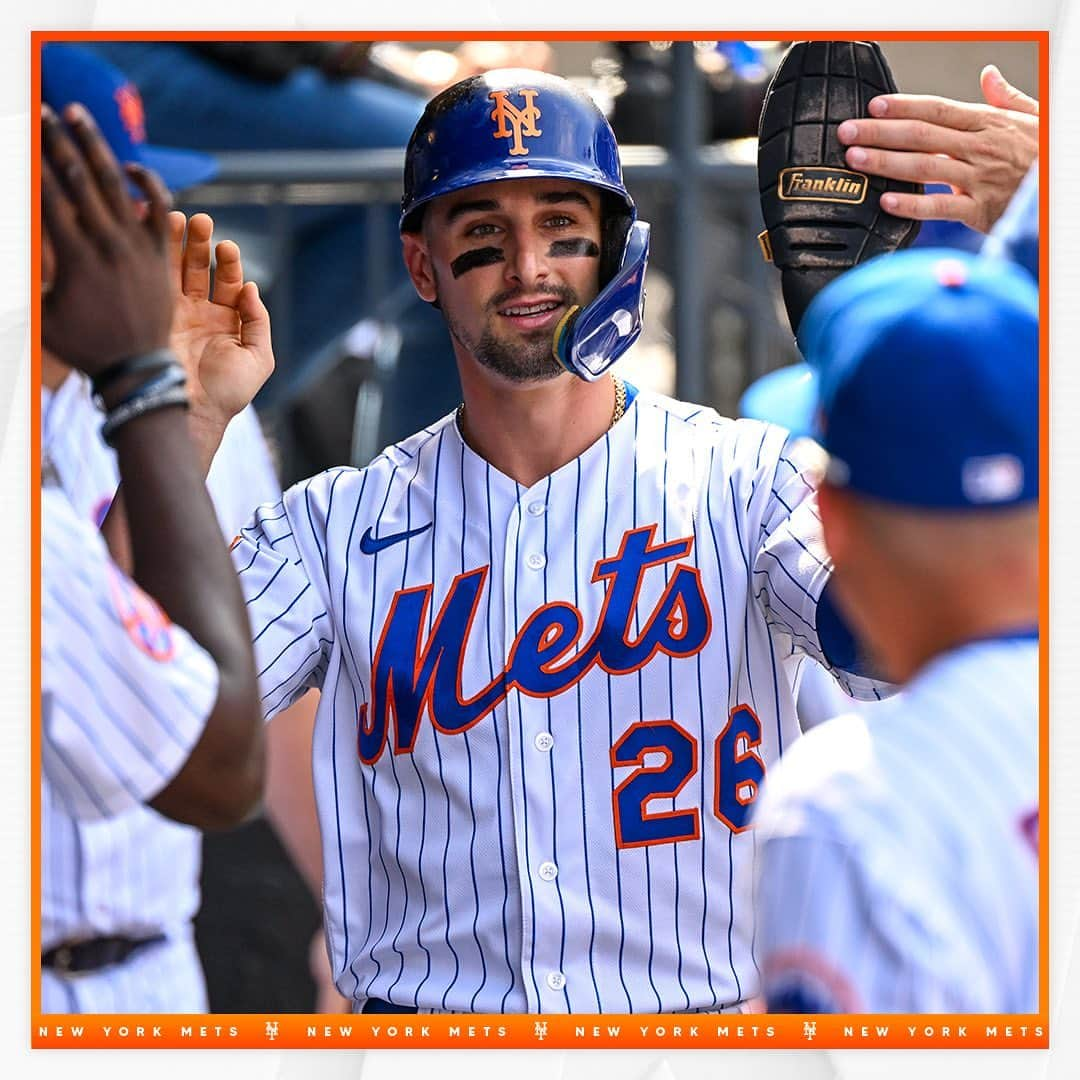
{"x": 221, "y": 336}
{"x": 982, "y": 151}
{"x": 107, "y": 297}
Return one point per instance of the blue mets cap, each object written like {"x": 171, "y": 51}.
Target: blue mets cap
{"x": 923, "y": 380}
{"x": 70, "y": 73}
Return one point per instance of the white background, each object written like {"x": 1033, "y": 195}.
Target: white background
{"x": 468, "y": 18}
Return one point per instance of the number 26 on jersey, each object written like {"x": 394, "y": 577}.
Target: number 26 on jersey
{"x": 737, "y": 776}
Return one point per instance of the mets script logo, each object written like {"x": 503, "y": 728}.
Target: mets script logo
{"x": 522, "y": 121}
{"x": 416, "y": 675}
{"x": 815, "y": 184}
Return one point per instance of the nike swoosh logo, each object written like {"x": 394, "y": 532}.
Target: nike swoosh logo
{"x": 370, "y": 544}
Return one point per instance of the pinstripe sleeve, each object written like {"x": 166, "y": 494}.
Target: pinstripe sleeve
{"x": 813, "y": 920}
{"x": 125, "y": 694}
{"x": 792, "y": 567}
{"x": 289, "y": 623}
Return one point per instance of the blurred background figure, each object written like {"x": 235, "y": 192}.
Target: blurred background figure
{"x": 138, "y": 866}
{"x": 898, "y": 848}
{"x": 150, "y": 712}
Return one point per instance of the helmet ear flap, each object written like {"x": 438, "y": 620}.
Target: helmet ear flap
{"x": 590, "y": 339}
{"x": 616, "y": 221}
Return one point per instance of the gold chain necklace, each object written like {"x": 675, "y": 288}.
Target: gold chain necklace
{"x": 620, "y": 400}
{"x": 617, "y": 413}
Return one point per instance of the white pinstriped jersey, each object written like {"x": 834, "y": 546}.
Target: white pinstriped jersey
{"x": 544, "y": 711}
{"x": 898, "y": 849}
{"x": 135, "y": 872}
{"x": 125, "y": 694}
{"x": 125, "y": 697}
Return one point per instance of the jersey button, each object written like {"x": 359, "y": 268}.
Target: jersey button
{"x": 544, "y": 741}
{"x": 549, "y": 872}
{"x": 536, "y": 561}
{"x": 536, "y": 508}
{"x": 556, "y": 980}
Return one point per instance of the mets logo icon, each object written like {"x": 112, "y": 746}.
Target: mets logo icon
{"x": 146, "y": 624}
{"x": 819, "y": 184}
{"x": 132, "y": 115}
{"x": 522, "y": 120}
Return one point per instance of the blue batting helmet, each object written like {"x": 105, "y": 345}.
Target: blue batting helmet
{"x": 506, "y": 125}
{"x": 513, "y": 124}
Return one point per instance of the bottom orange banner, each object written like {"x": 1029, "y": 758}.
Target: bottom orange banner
{"x": 415, "y": 1032}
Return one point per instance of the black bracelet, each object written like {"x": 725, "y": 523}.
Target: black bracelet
{"x": 142, "y": 404}
{"x": 133, "y": 365}
{"x": 172, "y": 375}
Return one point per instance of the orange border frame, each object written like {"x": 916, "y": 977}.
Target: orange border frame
{"x": 557, "y": 1032}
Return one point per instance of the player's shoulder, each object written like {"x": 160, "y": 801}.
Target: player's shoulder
{"x": 742, "y": 440}
{"x": 1015, "y": 652}
{"x": 819, "y": 776}
{"x": 410, "y": 451}
{"x": 350, "y": 485}
{"x": 77, "y": 570}
{"x": 701, "y": 420}
{"x": 984, "y": 690}
{"x": 65, "y": 535}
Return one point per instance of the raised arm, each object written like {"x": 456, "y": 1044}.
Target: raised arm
{"x": 108, "y": 311}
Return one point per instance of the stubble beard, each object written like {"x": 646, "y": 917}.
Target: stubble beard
{"x": 528, "y": 359}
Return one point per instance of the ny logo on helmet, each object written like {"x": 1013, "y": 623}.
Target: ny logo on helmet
{"x": 522, "y": 120}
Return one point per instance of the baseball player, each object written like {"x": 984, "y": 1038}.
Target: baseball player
{"x": 141, "y": 869}
{"x": 555, "y": 631}
{"x": 898, "y": 848}
{"x": 134, "y": 710}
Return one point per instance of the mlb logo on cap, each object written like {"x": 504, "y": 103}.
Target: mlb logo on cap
{"x": 993, "y": 480}
{"x": 924, "y": 386}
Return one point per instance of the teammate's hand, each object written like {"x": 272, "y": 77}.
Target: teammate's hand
{"x": 108, "y": 292}
{"x": 981, "y": 151}
{"x": 222, "y": 337}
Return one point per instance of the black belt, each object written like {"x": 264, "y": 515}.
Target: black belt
{"x": 377, "y": 1005}
{"x": 95, "y": 953}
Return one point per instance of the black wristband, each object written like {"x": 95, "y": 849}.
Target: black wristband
{"x": 145, "y": 362}
{"x": 171, "y": 376}
{"x": 139, "y": 406}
